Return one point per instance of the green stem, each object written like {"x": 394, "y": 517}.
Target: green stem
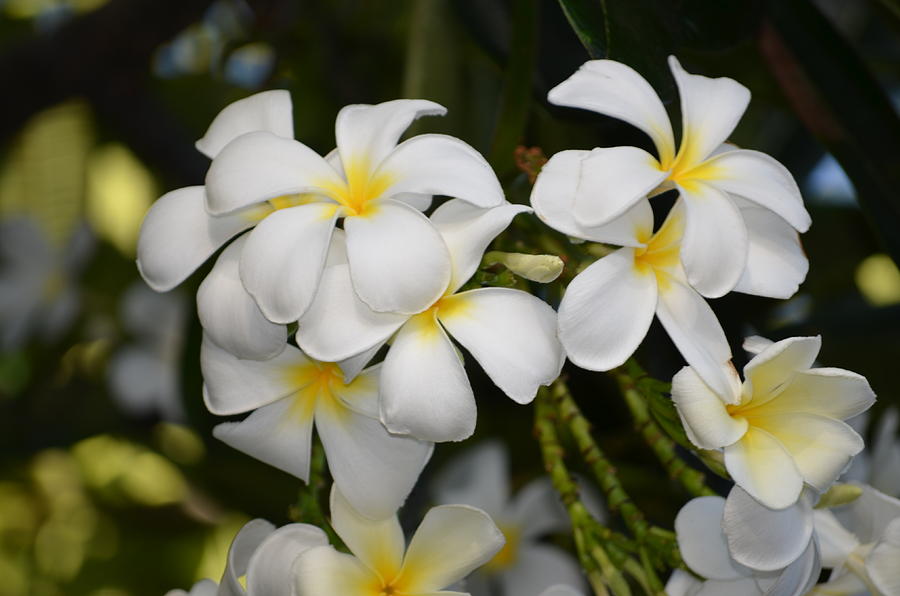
{"x": 308, "y": 508}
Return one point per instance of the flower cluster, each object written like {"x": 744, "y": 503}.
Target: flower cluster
{"x": 339, "y": 247}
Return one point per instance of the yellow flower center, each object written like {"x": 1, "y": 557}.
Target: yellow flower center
{"x": 321, "y": 384}
{"x": 360, "y": 188}
{"x": 660, "y": 253}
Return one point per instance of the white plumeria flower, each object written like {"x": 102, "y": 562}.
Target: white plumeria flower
{"x": 861, "y": 543}
{"x": 712, "y": 181}
{"x": 742, "y": 547}
{"x": 375, "y": 469}
{"x": 397, "y": 260}
{"x": 525, "y": 566}
{"x": 178, "y": 234}
{"x": 265, "y": 557}
{"x": 879, "y": 464}
{"x": 451, "y": 541}
{"x": 784, "y": 426}
{"x": 39, "y": 295}
{"x": 425, "y": 391}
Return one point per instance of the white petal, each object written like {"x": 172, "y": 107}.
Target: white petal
{"x": 882, "y": 562}
{"x": 710, "y": 109}
{"x": 768, "y": 372}
{"x": 234, "y": 385}
{"x": 563, "y": 590}
{"x": 835, "y": 541}
{"x": 800, "y": 576}
{"x": 259, "y": 166}
{"x": 612, "y": 181}
{"x": 553, "y": 199}
{"x": 606, "y": 311}
{"x": 338, "y": 325}
{"x": 451, "y": 541}
{"x": 697, "y": 334}
{"x": 776, "y": 263}
{"x": 761, "y": 179}
{"x": 143, "y": 383}
{"x": 434, "y": 164}
{"x": 830, "y": 392}
{"x": 468, "y": 231}
{"x": 715, "y": 245}
{"x": 538, "y": 510}
{"x": 204, "y": 587}
{"x": 379, "y": 544}
{"x": 869, "y": 515}
{"x": 178, "y": 235}
{"x": 283, "y": 259}
{"x": 766, "y": 539}
{"x": 270, "y": 571}
{"x": 886, "y": 454}
{"x": 278, "y": 434}
{"x": 510, "y": 333}
{"x": 706, "y": 421}
{"x": 322, "y": 570}
{"x": 370, "y": 132}
{"x": 746, "y": 586}
{"x": 682, "y": 583}
{"x": 269, "y": 110}
{"x": 538, "y": 567}
{"x": 614, "y": 89}
{"x": 230, "y": 316}
{"x": 479, "y": 477}
{"x": 354, "y": 365}
{"x": 417, "y": 201}
{"x": 241, "y": 550}
{"x": 698, "y": 527}
{"x": 755, "y": 344}
{"x": 821, "y": 447}
{"x": 374, "y": 469}
{"x": 398, "y": 261}
{"x": 762, "y": 466}
{"x": 424, "y": 388}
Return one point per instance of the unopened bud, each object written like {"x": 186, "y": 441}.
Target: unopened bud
{"x": 839, "y": 494}
{"x": 540, "y": 268}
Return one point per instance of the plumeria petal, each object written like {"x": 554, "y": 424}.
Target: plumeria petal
{"x": 776, "y": 263}
{"x": 697, "y": 334}
{"x": 398, "y": 261}
{"x": 769, "y": 371}
{"x": 338, "y": 325}
{"x": 204, "y": 587}
{"x": 370, "y": 132}
{"x": 820, "y": 446}
{"x": 715, "y": 245}
{"x": 799, "y": 577}
{"x": 681, "y": 583}
{"x": 698, "y": 527}
{"x": 766, "y": 539}
{"x": 710, "y": 109}
{"x": 617, "y": 90}
{"x": 761, "y": 179}
{"x": 351, "y": 367}
{"x": 746, "y": 586}
{"x": 538, "y": 510}
{"x": 283, "y": 259}
{"x": 763, "y": 467}
{"x": 424, "y": 388}
{"x": 259, "y": 166}
{"x": 240, "y": 552}
{"x": 553, "y": 199}
{"x": 563, "y": 590}
{"x": 881, "y": 563}
{"x": 603, "y": 338}
{"x": 706, "y": 421}
{"x": 269, "y": 111}
{"x": 379, "y": 544}
{"x": 234, "y": 385}
{"x": 323, "y": 570}
{"x": 374, "y": 469}
{"x": 538, "y": 567}
{"x": 479, "y": 477}
{"x": 451, "y": 541}
{"x": 468, "y": 231}
{"x": 230, "y": 316}
{"x": 270, "y": 568}
{"x": 830, "y": 392}
{"x": 511, "y": 334}
{"x": 612, "y": 180}
{"x": 435, "y": 164}
{"x": 178, "y": 235}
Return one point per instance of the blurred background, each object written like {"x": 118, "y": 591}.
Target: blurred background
{"x": 110, "y": 481}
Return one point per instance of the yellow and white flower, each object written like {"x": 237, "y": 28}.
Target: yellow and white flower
{"x": 717, "y": 183}
{"x": 784, "y": 427}
{"x": 375, "y": 469}
{"x": 451, "y": 541}
{"x": 424, "y": 388}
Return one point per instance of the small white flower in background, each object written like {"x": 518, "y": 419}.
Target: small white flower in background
{"x": 379, "y": 187}
{"x": 375, "y": 469}
{"x": 143, "y": 373}
{"x": 861, "y": 543}
{"x": 264, "y": 556}
{"x": 39, "y": 294}
{"x": 742, "y": 547}
{"x": 562, "y": 590}
{"x": 525, "y": 566}
{"x": 424, "y": 388}
{"x": 714, "y": 182}
{"x": 784, "y": 426}
{"x": 451, "y": 541}
{"x": 178, "y": 234}
{"x": 878, "y": 465}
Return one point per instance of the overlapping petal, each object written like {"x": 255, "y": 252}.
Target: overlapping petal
{"x": 245, "y": 543}
{"x": 831, "y": 392}
{"x": 479, "y": 477}
{"x": 323, "y": 570}
{"x": 269, "y": 111}
{"x": 378, "y": 544}
{"x": 701, "y": 541}
{"x": 539, "y": 567}
{"x": 763, "y": 467}
{"x": 769, "y": 371}
{"x": 706, "y": 421}
{"x": 270, "y": 570}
